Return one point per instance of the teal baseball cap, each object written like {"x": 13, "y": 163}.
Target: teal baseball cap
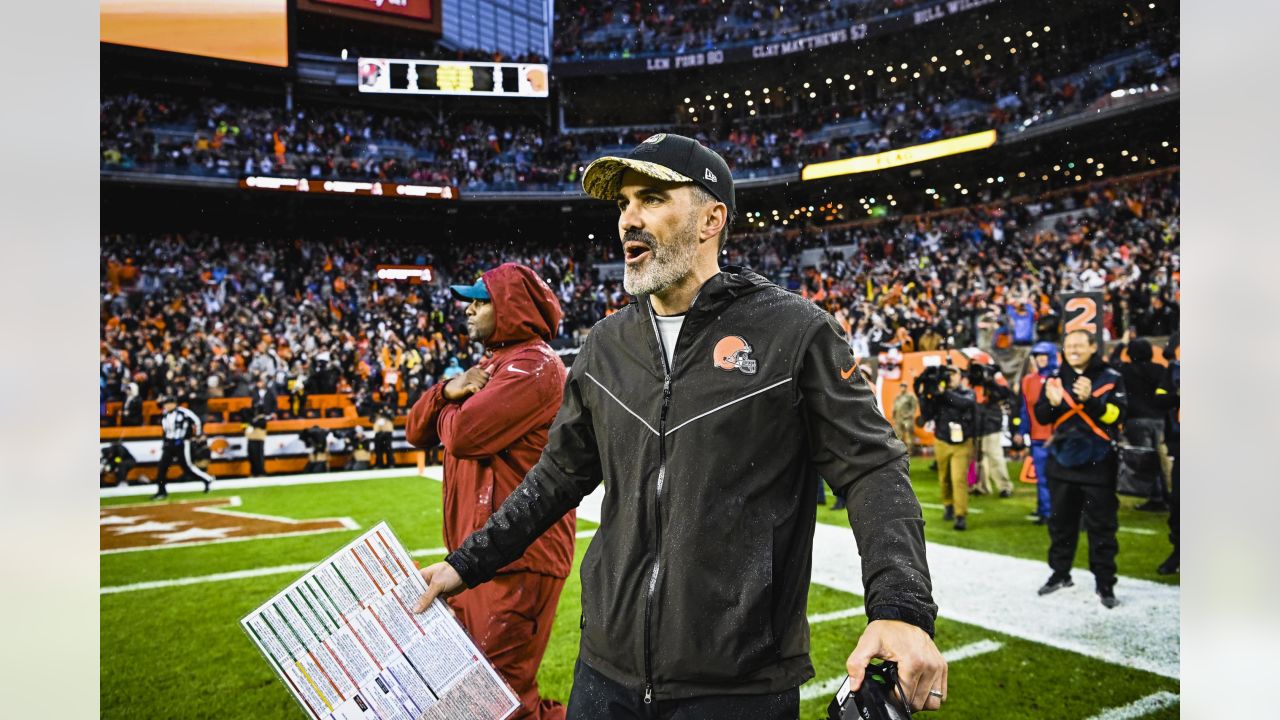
{"x": 471, "y": 292}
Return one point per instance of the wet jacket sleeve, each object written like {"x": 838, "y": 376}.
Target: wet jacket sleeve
{"x": 856, "y": 452}
{"x": 568, "y": 470}
{"x": 510, "y": 406}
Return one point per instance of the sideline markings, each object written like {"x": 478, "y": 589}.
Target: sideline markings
{"x": 1139, "y": 707}
{"x": 837, "y": 615}
{"x": 273, "y": 481}
{"x": 964, "y": 652}
{"x": 257, "y": 572}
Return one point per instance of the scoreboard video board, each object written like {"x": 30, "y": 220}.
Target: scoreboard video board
{"x": 451, "y": 77}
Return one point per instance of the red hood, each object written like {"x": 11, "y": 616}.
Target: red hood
{"x": 524, "y": 306}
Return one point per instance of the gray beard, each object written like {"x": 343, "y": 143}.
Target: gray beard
{"x": 668, "y": 263}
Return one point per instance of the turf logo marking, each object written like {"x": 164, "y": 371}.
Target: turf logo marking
{"x": 151, "y": 526}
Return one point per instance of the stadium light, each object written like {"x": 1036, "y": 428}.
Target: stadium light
{"x": 828, "y": 81}
{"x": 893, "y": 79}
{"x": 888, "y": 68}
{"x": 1013, "y": 51}
{"x": 987, "y": 56}
{"x": 765, "y": 91}
{"x": 806, "y": 86}
{"x": 1007, "y": 38}
{"x": 708, "y": 97}
{"x": 846, "y": 76}
{"x": 750, "y": 103}
{"x": 813, "y": 95}
{"x": 726, "y": 96}
{"x": 959, "y": 52}
{"x": 1164, "y": 144}
{"x": 747, "y": 93}
{"x": 916, "y": 75}
{"x": 942, "y": 68}
{"x": 1029, "y": 33}
{"x": 850, "y": 86}
{"x": 728, "y": 106}
{"x": 871, "y": 72}
{"x": 712, "y": 108}
{"x": 1046, "y": 28}
{"x": 903, "y": 66}
{"x": 1035, "y": 45}
{"x": 933, "y": 58}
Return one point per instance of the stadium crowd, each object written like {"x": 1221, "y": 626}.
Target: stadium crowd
{"x": 203, "y": 316}
{"x": 207, "y": 135}
{"x": 593, "y": 29}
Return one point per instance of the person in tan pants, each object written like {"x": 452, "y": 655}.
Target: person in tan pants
{"x": 953, "y": 430}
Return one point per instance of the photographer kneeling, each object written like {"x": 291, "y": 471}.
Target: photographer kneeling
{"x": 945, "y": 398}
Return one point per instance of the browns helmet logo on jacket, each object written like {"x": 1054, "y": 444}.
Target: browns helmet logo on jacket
{"x": 733, "y": 353}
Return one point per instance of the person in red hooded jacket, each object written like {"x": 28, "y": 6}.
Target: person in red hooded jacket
{"x": 492, "y": 421}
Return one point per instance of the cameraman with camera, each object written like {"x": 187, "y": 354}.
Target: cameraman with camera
{"x": 1085, "y": 402}
{"x": 316, "y": 439}
{"x": 945, "y": 398}
{"x": 994, "y": 399}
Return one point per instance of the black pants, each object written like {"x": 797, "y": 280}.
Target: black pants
{"x": 257, "y": 466}
{"x": 178, "y": 451}
{"x": 1174, "y": 500}
{"x": 1097, "y": 504}
{"x": 382, "y": 455}
{"x": 1149, "y": 433}
{"x": 596, "y": 696}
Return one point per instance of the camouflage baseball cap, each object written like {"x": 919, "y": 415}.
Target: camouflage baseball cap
{"x": 668, "y": 157}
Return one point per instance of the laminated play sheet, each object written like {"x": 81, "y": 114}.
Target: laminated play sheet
{"x": 345, "y": 641}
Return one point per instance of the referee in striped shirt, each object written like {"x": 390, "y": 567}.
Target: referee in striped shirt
{"x": 180, "y": 426}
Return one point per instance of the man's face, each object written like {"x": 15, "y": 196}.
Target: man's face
{"x": 1078, "y": 347}
{"x": 480, "y": 320}
{"x": 658, "y": 226}
{"x": 169, "y": 406}
{"x": 1042, "y": 361}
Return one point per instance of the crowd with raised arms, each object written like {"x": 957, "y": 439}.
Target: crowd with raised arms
{"x": 206, "y": 316}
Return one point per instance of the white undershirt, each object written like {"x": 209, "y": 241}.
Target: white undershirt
{"x": 669, "y": 329}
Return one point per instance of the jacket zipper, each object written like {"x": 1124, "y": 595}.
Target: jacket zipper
{"x": 657, "y": 505}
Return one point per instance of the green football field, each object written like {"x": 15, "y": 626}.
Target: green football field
{"x": 173, "y": 648}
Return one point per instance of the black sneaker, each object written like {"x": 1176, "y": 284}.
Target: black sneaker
{"x": 1006, "y": 493}
{"x": 949, "y": 513}
{"x": 1170, "y": 565}
{"x": 960, "y": 524}
{"x": 1108, "y": 598}
{"x": 1153, "y": 506}
{"x": 1055, "y": 583}
{"x": 160, "y": 495}
{"x": 1041, "y": 521}
{"x": 207, "y": 484}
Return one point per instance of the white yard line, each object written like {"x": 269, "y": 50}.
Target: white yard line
{"x": 837, "y": 615}
{"x": 1140, "y": 707}
{"x": 827, "y": 687}
{"x": 1138, "y": 531}
{"x": 258, "y": 572}
{"x": 261, "y": 482}
{"x": 939, "y": 506}
{"x": 998, "y": 592}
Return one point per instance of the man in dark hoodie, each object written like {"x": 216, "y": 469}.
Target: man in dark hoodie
{"x": 708, "y": 408}
{"x": 493, "y": 420}
{"x": 1144, "y": 426}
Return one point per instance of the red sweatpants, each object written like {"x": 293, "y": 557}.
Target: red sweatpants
{"x": 510, "y": 619}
